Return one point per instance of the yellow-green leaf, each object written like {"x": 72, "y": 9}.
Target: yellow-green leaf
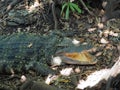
{"x": 63, "y": 7}
{"x": 71, "y": 7}
{"x": 76, "y": 7}
{"x": 67, "y": 13}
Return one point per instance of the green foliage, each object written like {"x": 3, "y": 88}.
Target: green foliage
{"x": 67, "y": 6}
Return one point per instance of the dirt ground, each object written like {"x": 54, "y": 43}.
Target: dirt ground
{"x": 83, "y": 27}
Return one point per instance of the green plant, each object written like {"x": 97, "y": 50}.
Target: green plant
{"x": 70, "y": 6}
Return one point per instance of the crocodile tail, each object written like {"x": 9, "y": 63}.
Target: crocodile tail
{"x": 42, "y": 69}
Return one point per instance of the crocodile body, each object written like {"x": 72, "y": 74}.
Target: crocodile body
{"x": 24, "y": 51}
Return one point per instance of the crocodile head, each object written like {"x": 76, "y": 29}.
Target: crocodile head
{"x": 72, "y": 52}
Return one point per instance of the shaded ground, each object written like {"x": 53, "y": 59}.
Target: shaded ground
{"x": 85, "y": 28}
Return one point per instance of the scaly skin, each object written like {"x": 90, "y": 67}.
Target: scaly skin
{"x": 24, "y": 51}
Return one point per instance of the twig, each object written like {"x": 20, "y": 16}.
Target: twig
{"x": 54, "y": 15}
{"x": 118, "y": 47}
{"x": 11, "y": 5}
{"x": 82, "y": 2}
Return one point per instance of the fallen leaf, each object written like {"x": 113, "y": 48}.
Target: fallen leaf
{"x": 91, "y": 29}
{"x": 30, "y": 45}
{"x": 113, "y": 34}
{"x": 98, "y": 54}
{"x": 56, "y": 61}
{"x": 77, "y": 70}
{"x": 23, "y": 78}
{"x": 106, "y": 33}
{"x": 75, "y": 42}
{"x": 100, "y": 25}
{"x": 103, "y": 41}
{"x": 50, "y": 78}
{"x": 66, "y": 71}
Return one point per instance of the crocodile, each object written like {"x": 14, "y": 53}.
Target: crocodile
{"x": 24, "y": 51}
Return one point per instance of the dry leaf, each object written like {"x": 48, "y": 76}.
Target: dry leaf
{"x": 56, "y": 61}
{"x": 106, "y": 33}
{"x": 66, "y": 71}
{"x": 91, "y": 29}
{"x": 72, "y": 0}
{"x": 75, "y": 42}
{"x": 30, "y": 45}
{"x": 98, "y": 54}
{"x": 23, "y": 79}
{"x": 77, "y": 70}
{"x": 100, "y": 25}
{"x": 103, "y": 41}
{"x": 113, "y": 34}
{"x": 50, "y": 78}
